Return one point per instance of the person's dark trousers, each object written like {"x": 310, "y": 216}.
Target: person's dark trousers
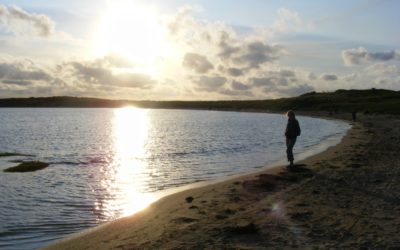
{"x": 289, "y": 148}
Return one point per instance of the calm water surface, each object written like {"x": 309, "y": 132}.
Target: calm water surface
{"x": 109, "y": 163}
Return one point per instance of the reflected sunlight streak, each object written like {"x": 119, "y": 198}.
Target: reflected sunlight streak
{"x": 130, "y": 129}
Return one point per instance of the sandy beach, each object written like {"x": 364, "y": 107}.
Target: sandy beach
{"x": 344, "y": 198}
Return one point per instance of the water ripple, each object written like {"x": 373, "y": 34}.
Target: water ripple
{"x": 108, "y": 163}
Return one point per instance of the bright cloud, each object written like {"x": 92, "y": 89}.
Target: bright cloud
{"x": 20, "y": 22}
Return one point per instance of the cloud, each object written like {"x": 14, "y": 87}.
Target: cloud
{"x": 238, "y": 60}
{"x": 266, "y": 81}
{"x": 287, "y": 73}
{"x": 240, "y": 86}
{"x": 295, "y": 90}
{"x": 210, "y": 83}
{"x": 350, "y": 77}
{"x": 180, "y": 21}
{"x": 197, "y": 62}
{"x": 290, "y": 21}
{"x": 98, "y": 77}
{"x": 21, "y": 22}
{"x": 88, "y": 73}
{"x": 24, "y": 77}
{"x": 17, "y": 82}
{"x": 235, "y": 72}
{"x": 383, "y": 56}
{"x": 287, "y": 91}
{"x": 220, "y": 43}
{"x": 20, "y": 73}
{"x": 383, "y": 69}
{"x": 357, "y": 56}
{"x": 257, "y": 53}
{"x": 227, "y": 45}
{"x": 354, "y": 56}
{"x": 208, "y": 60}
{"x": 241, "y": 93}
{"x": 230, "y": 63}
{"x": 115, "y": 60}
{"x": 312, "y": 76}
{"x": 283, "y": 77}
{"x": 329, "y": 77}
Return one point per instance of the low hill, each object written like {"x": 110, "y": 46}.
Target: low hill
{"x": 369, "y": 101}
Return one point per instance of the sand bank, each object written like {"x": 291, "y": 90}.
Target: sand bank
{"x": 345, "y": 197}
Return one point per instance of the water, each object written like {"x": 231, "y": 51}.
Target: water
{"x": 109, "y": 163}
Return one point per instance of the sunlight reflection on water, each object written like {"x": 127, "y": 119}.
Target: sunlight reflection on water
{"x": 122, "y": 181}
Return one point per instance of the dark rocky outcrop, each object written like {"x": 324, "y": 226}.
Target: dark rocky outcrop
{"x": 28, "y": 166}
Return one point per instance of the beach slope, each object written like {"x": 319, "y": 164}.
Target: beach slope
{"x": 346, "y": 197}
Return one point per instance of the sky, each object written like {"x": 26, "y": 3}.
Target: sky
{"x": 197, "y": 49}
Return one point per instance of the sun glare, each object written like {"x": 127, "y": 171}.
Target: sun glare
{"x": 126, "y": 181}
{"x": 130, "y": 131}
{"x": 133, "y": 30}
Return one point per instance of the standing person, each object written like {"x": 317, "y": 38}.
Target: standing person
{"x": 291, "y": 133}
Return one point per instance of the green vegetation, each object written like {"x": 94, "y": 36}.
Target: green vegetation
{"x": 368, "y": 101}
{"x": 28, "y": 166}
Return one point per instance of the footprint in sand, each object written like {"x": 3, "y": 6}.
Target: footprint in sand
{"x": 301, "y": 216}
{"x": 302, "y": 205}
{"x": 184, "y": 220}
{"x": 243, "y": 228}
{"x": 225, "y": 214}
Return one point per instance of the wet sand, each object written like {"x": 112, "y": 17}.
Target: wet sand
{"x": 344, "y": 198}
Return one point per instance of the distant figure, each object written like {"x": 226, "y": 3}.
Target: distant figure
{"x": 291, "y": 133}
{"x": 353, "y": 114}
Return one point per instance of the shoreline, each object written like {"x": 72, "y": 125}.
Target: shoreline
{"x": 345, "y": 197}
{"x": 90, "y": 239}
{"x": 73, "y": 241}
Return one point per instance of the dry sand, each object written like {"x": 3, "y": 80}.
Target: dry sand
{"x": 344, "y": 198}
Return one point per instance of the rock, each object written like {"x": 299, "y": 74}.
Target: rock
{"x": 189, "y": 199}
{"x": 28, "y": 166}
{"x": 7, "y": 154}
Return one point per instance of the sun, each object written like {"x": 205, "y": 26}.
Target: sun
{"x": 133, "y": 30}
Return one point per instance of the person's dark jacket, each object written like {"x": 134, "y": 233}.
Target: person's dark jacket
{"x": 292, "y": 128}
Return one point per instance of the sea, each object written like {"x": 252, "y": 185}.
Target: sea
{"x": 109, "y": 163}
